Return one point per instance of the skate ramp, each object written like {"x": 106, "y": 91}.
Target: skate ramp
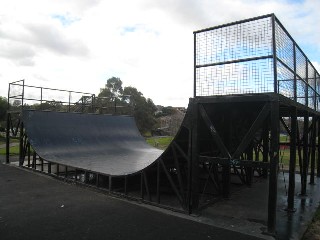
{"x": 106, "y": 144}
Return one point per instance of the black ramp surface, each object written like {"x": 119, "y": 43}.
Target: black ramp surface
{"x": 101, "y": 143}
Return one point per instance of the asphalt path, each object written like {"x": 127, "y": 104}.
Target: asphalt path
{"x": 34, "y": 206}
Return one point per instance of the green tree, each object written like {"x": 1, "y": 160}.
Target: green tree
{"x": 144, "y": 109}
{"x": 113, "y": 88}
{"x": 3, "y": 108}
{"x": 3, "y": 112}
{"x": 110, "y": 96}
{"x": 130, "y": 101}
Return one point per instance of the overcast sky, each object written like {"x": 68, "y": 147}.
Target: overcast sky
{"x": 79, "y": 44}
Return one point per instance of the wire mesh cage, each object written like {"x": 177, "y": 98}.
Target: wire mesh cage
{"x": 256, "y": 55}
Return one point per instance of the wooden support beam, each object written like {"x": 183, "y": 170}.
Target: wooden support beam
{"x": 8, "y": 138}
{"x": 252, "y": 131}
{"x": 249, "y": 169}
{"x": 41, "y": 161}
{"x": 194, "y": 163}
{"x": 234, "y": 162}
{"x": 66, "y": 171}
{"x": 189, "y": 173}
{"x": 274, "y": 162}
{"x": 141, "y": 186}
{"x": 110, "y": 184}
{"x": 216, "y": 137}
{"x": 171, "y": 182}
{"x": 29, "y": 153}
{"x": 313, "y": 150}
{"x": 265, "y": 147}
{"x": 285, "y": 126}
{"x": 305, "y": 161}
{"x": 49, "y": 167}
{"x": 183, "y": 154}
{"x": 177, "y": 166}
{"x": 21, "y": 150}
{"x": 299, "y": 143}
{"x": 146, "y": 184}
{"x": 158, "y": 182}
{"x": 212, "y": 177}
{"x": 293, "y": 156}
{"x": 126, "y": 185}
{"x": 318, "y": 148}
{"x": 75, "y": 174}
{"x": 97, "y": 180}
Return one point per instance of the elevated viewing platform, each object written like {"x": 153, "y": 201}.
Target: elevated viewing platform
{"x": 256, "y": 55}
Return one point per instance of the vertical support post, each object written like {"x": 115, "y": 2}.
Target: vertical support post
{"x": 22, "y": 95}
{"x": 86, "y": 177}
{"x": 307, "y": 85}
{"x": 41, "y": 98}
{"x": 33, "y": 158}
{"x": 315, "y": 91}
{"x": 189, "y": 172}
{"x": 29, "y": 153}
{"x": 69, "y": 103}
{"x": 8, "y": 138}
{"x": 21, "y": 157}
{"x": 274, "y": 53}
{"x": 194, "y": 203}
{"x": 304, "y": 173}
{"x": 195, "y": 65}
{"x": 158, "y": 182}
{"x": 226, "y": 180}
{"x": 75, "y": 174}
{"x": 313, "y": 149}
{"x": 66, "y": 172}
{"x": 34, "y": 161}
{"x": 292, "y": 164}
{"x": 97, "y": 180}
{"x": 295, "y": 73}
{"x": 249, "y": 170}
{"x": 125, "y": 185}
{"x": 226, "y": 169}
{"x": 265, "y": 154}
{"x": 318, "y": 145}
{"x": 141, "y": 185}
{"x": 41, "y": 161}
{"x": 274, "y": 162}
{"x": 49, "y": 167}
{"x": 110, "y": 184}
{"x": 93, "y": 99}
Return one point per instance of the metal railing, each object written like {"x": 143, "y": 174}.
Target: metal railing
{"x": 22, "y": 96}
{"x": 255, "y": 55}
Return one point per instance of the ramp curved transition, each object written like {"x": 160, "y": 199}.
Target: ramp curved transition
{"x": 106, "y": 144}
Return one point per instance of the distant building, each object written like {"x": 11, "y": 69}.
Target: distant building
{"x": 170, "y": 124}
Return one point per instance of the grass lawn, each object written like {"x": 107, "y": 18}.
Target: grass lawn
{"x": 160, "y": 142}
{"x": 13, "y": 150}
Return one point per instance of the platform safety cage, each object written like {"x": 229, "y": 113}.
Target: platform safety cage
{"x": 256, "y": 55}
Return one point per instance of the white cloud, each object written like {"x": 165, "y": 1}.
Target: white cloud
{"x": 79, "y": 44}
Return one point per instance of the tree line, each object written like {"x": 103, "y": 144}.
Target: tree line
{"x": 130, "y": 101}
